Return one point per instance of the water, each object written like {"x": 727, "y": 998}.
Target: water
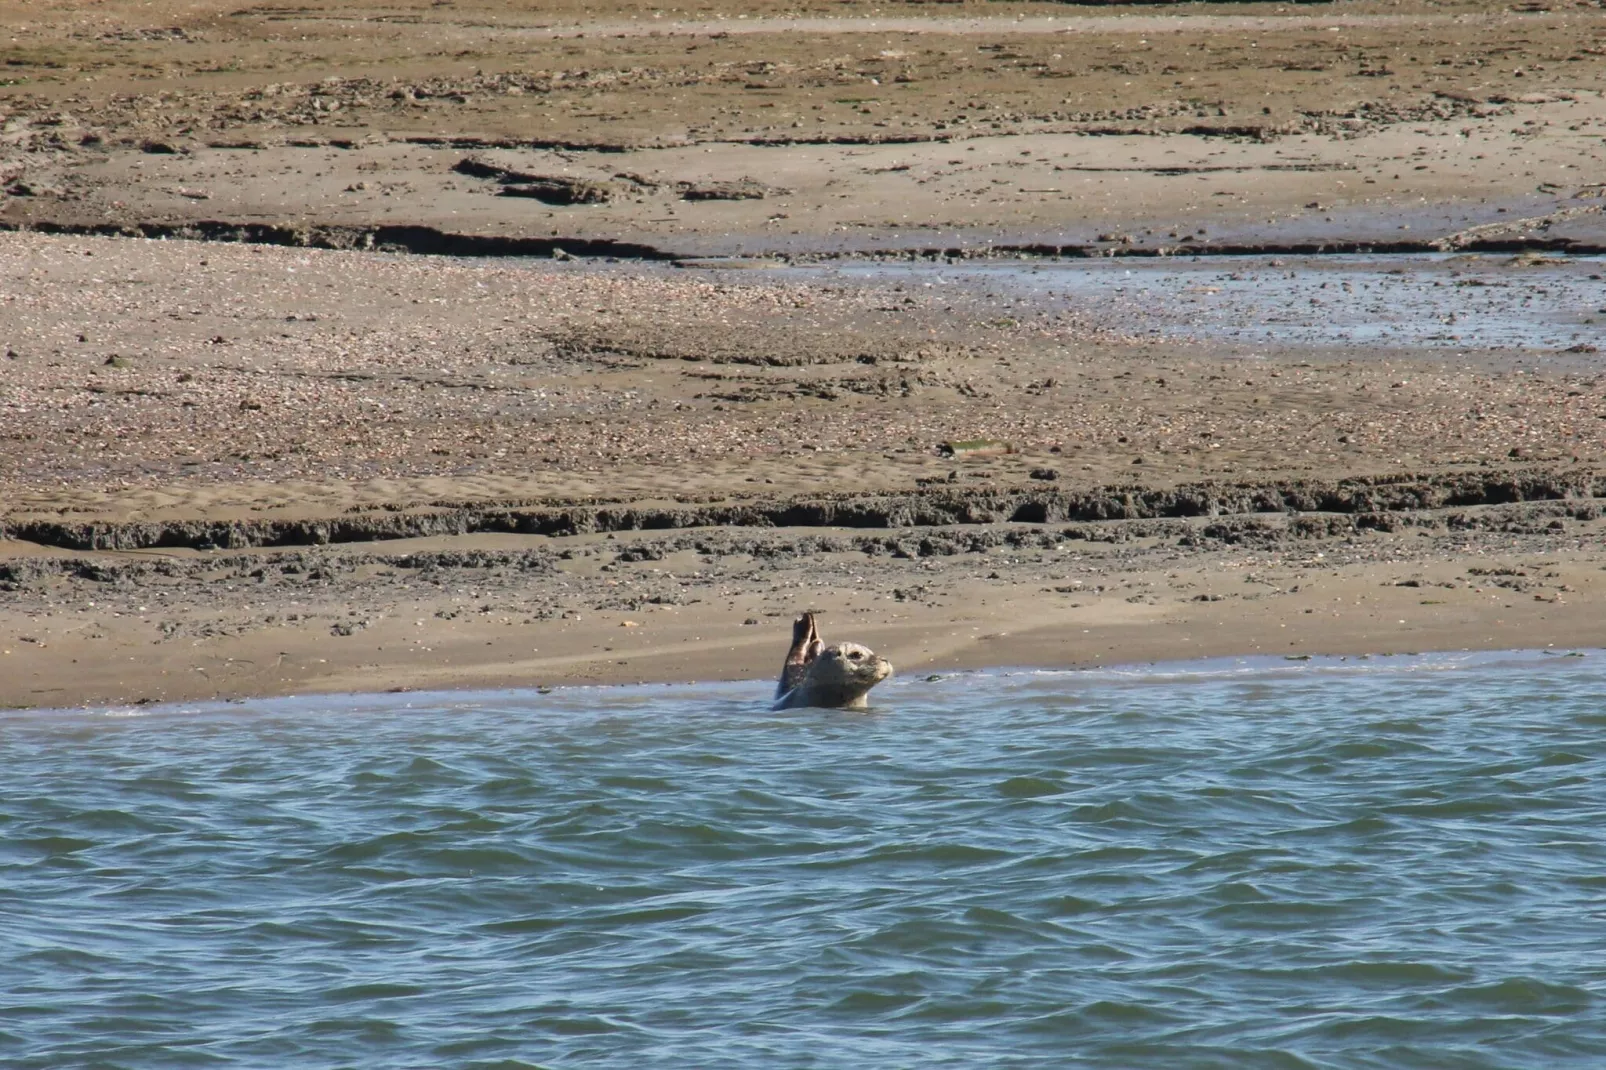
{"x": 1399, "y": 862}
{"x": 1424, "y": 301}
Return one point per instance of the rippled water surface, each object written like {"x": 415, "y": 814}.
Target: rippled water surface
{"x": 1395, "y": 863}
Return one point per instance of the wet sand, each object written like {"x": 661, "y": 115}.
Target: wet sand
{"x": 230, "y": 468}
{"x": 480, "y": 611}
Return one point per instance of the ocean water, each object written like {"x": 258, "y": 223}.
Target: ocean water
{"x": 1398, "y": 862}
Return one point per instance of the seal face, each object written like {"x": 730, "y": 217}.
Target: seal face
{"x": 838, "y": 676}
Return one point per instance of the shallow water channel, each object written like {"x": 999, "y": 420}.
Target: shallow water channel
{"x": 1437, "y": 301}
{"x": 1394, "y": 862}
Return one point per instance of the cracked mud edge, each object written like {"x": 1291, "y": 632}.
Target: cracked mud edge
{"x": 387, "y": 238}
{"x": 1091, "y": 128}
{"x": 1382, "y": 502}
{"x": 432, "y": 241}
{"x": 1258, "y": 532}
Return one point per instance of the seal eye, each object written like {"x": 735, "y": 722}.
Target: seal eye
{"x": 855, "y": 656}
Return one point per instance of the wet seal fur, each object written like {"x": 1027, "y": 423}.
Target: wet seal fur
{"x": 838, "y": 676}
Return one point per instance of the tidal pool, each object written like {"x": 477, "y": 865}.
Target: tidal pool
{"x": 1430, "y": 301}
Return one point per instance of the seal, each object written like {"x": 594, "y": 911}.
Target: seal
{"x": 837, "y": 677}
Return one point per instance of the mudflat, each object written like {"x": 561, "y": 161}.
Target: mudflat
{"x": 345, "y": 347}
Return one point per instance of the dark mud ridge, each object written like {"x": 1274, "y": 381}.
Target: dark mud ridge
{"x": 301, "y": 566}
{"x": 1370, "y": 497}
{"x": 336, "y": 566}
{"x": 432, "y": 241}
{"x": 387, "y": 238}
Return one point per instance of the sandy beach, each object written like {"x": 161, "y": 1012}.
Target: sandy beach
{"x": 360, "y": 348}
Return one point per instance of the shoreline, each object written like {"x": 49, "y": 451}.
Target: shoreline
{"x": 1152, "y": 606}
{"x": 1201, "y": 667}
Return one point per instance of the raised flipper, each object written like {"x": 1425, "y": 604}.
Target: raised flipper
{"x": 806, "y": 646}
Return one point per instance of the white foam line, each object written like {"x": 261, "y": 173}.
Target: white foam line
{"x": 1263, "y": 667}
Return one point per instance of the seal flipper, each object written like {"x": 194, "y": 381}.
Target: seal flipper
{"x": 806, "y": 646}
